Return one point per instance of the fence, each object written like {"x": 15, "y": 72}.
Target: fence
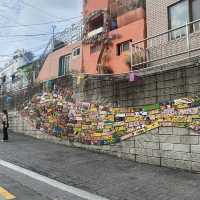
{"x": 119, "y": 91}
{"x": 16, "y": 98}
{"x": 66, "y": 37}
{"x": 168, "y": 47}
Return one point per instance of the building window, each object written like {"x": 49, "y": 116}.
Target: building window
{"x": 3, "y": 79}
{"x": 195, "y": 9}
{"x": 76, "y": 52}
{"x": 178, "y": 16}
{"x": 96, "y": 22}
{"x": 181, "y": 13}
{"x": 123, "y": 47}
{"x": 64, "y": 63}
{"x": 13, "y": 77}
{"x": 95, "y": 48}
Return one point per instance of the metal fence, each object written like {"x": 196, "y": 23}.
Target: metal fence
{"x": 117, "y": 91}
{"x": 168, "y": 47}
{"x": 68, "y": 36}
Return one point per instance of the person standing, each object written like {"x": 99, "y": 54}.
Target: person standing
{"x": 5, "y": 125}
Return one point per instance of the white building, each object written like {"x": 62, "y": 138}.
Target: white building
{"x": 8, "y": 75}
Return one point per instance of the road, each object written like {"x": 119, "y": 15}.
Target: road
{"x": 21, "y": 185}
{"x": 88, "y": 173}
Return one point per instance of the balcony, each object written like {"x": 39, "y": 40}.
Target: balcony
{"x": 164, "y": 51}
{"x": 95, "y": 32}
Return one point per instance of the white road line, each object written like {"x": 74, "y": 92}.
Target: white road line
{"x": 77, "y": 192}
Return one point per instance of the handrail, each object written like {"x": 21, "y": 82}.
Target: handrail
{"x": 167, "y": 45}
{"x": 171, "y": 30}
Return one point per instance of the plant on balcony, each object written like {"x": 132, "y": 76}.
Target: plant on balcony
{"x": 142, "y": 3}
{"x": 136, "y": 59}
{"x": 107, "y": 70}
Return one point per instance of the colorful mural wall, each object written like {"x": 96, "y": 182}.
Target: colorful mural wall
{"x": 57, "y": 113}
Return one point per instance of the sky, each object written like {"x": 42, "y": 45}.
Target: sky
{"x": 14, "y": 14}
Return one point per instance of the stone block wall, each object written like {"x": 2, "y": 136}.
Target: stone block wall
{"x": 149, "y": 89}
{"x": 165, "y": 147}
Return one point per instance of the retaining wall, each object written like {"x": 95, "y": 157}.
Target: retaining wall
{"x": 166, "y": 146}
{"x": 149, "y": 89}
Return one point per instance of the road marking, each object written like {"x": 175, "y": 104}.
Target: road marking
{"x": 6, "y": 195}
{"x": 61, "y": 186}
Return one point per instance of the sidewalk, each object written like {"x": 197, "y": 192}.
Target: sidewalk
{"x": 104, "y": 175}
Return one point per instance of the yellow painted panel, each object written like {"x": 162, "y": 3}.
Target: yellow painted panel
{"x": 5, "y": 194}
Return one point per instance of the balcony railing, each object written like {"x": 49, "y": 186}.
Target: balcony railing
{"x": 168, "y": 47}
{"x": 70, "y": 35}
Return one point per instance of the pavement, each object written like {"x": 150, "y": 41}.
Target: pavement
{"x": 92, "y": 173}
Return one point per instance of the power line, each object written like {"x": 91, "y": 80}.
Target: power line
{"x": 41, "y": 24}
{"x": 7, "y": 18}
{"x": 39, "y": 9}
{"x": 4, "y": 55}
{"x": 26, "y": 35}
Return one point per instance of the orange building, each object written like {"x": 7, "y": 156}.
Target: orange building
{"x": 62, "y": 61}
{"x": 110, "y": 27}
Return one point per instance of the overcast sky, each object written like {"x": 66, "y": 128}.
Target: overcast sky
{"x": 20, "y": 12}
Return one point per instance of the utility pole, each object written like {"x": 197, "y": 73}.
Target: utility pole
{"x": 53, "y": 29}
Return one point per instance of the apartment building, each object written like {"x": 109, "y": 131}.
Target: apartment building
{"x": 10, "y": 79}
{"x": 110, "y": 26}
{"x": 173, "y": 33}
{"x": 101, "y": 44}
{"x": 63, "y": 54}
{"x": 61, "y": 62}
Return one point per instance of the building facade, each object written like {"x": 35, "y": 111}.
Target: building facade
{"x": 61, "y": 62}
{"x": 173, "y": 33}
{"x": 100, "y": 44}
{"x": 110, "y": 27}
{"x": 10, "y": 79}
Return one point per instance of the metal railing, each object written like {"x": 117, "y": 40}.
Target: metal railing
{"x": 70, "y": 35}
{"x": 170, "y": 46}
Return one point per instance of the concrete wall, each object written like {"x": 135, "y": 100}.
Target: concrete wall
{"x": 166, "y": 147}
{"x": 149, "y": 89}
{"x": 91, "y": 6}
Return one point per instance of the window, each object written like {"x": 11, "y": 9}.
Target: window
{"x": 64, "y": 63}
{"x": 4, "y": 79}
{"x": 76, "y": 52}
{"x": 95, "y": 48}
{"x": 96, "y": 22}
{"x": 178, "y": 16}
{"x": 180, "y": 13}
{"x": 195, "y": 9}
{"x": 13, "y": 78}
{"x": 123, "y": 47}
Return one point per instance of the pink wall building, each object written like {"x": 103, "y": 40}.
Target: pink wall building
{"x": 56, "y": 61}
{"x": 110, "y": 27}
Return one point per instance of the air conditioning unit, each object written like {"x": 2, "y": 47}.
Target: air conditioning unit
{"x": 95, "y": 32}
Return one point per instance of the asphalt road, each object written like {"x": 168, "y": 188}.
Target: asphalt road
{"x": 22, "y": 187}
{"x": 99, "y": 174}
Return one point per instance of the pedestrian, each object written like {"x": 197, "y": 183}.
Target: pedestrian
{"x": 5, "y": 125}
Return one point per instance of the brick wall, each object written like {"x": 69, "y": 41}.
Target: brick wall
{"x": 157, "y": 23}
{"x": 165, "y": 147}
{"x": 157, "y": 16}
